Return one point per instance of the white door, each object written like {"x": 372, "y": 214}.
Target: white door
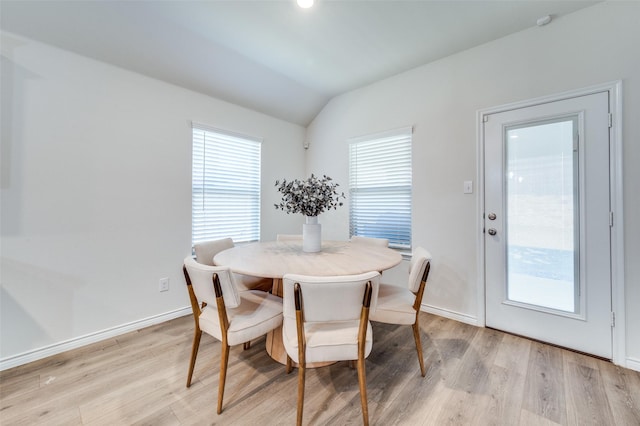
{"x": 547, "y": 223}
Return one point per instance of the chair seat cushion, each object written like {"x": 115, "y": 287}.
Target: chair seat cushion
{"x": 326, "y": 341}
{"x": 395, "y": 305}
{"x": 257, "y": 314}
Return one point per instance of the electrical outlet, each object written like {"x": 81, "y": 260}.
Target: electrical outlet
{"x": 164, "y": 284}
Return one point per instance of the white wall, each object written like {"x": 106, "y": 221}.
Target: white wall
{"x": 593, "y": 46}
{"x": 96, "y": 192}
{"x": 95, "y": 168}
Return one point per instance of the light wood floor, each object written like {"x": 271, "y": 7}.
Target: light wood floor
{"x": 475, "y": 376}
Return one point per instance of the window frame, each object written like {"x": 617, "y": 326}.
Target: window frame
{"x": 382, "y": 174}
{"x": 216, "y": 180}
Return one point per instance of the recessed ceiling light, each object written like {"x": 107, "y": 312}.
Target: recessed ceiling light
{"x": 305, "y": 4}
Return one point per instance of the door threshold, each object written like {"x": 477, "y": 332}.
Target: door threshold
{"x": 553, "y": 344}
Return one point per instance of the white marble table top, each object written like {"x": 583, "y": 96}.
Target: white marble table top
{"x": 274, "y": 259}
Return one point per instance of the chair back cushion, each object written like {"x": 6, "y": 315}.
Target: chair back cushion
{"x": 202, "y": 283}
{"x": 289, "y": 237}
{"x": 207, "y": 250}
{"x": 329, "y": 299}
{"x": 419, "y": 260}
{"x": 382, "y": 242}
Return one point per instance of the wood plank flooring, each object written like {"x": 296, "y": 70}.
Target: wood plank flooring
{"x": 475, "y": 376}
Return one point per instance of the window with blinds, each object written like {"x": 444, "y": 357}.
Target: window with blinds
{"x": 225, "y": 186}
{"x": 380, "y": 187}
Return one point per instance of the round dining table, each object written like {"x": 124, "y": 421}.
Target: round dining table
{"x": 274, "y": 259}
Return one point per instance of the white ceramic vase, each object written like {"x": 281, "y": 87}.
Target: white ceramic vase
{"x": 311, "y": 235}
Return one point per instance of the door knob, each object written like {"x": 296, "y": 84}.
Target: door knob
{"x": 492, "y": 216}
{"x": 492, "y": 231}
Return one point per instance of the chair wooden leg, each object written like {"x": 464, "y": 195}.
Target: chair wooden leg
{"x": 246, "y": 345}
{"x": 224, "y": 360}
{"x": 289, "y": 364}
{"x": 301, "y": 374}
{"x": 362, "y": 382}
{"x": 416, "y": 337}
{"x": 194, "y": 353}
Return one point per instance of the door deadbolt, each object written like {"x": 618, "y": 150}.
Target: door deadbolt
{"x": 492, "y": 231}
{"x": 492, "y": 216}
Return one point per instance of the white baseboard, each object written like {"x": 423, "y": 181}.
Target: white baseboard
{"x": 633, "y": 364}
{"x": 457, "y": 316}
{"x": 56, "y": 348}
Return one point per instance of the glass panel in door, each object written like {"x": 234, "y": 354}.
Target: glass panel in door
{"x": 542, "y": 232}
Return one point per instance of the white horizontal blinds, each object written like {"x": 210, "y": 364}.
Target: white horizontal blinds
{"x": 225, "y": 186}
{"x": 380, "y": 187}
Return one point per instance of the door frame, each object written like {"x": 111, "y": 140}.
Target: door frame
{"x": 616, "y": 200}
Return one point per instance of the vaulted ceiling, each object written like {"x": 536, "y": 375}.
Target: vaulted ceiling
{"x": 272, "y": 56}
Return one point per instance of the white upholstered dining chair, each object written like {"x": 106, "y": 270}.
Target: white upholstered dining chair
{"x": 327, "y": 319}
{"x": 382, "y": 242}
{"x": 229, "y": 315}
{"x": 206, "y": 251}
{"x": 289, "y": 237}
{"x": 401, "y": 305}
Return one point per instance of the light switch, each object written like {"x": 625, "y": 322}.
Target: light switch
{"x": 468, "y": 187}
